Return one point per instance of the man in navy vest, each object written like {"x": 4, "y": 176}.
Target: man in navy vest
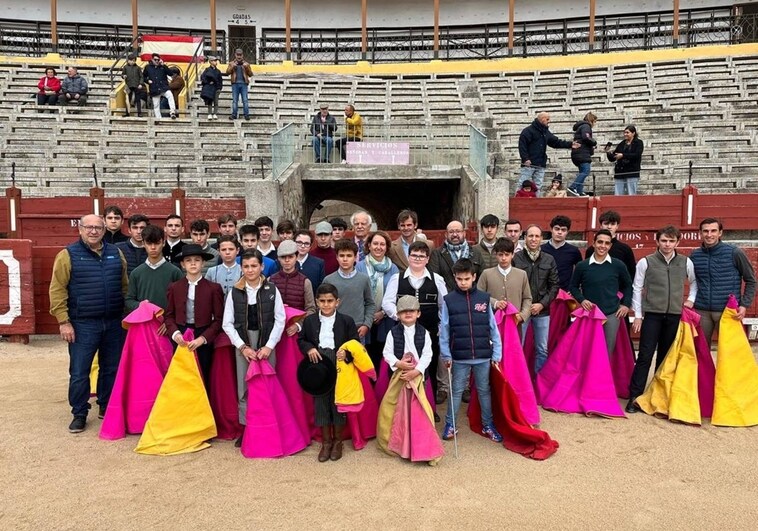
{"x": 720, "y": 269}
{"x": 87, "y": 292}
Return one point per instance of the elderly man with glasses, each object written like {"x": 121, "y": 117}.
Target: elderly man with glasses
{"x": 87, "y": 292}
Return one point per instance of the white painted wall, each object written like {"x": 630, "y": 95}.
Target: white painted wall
{"x": 329, "y": 13}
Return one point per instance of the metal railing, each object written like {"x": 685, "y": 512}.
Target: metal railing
{"x": 282, "y": 150}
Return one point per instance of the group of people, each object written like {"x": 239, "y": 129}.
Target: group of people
{"x": 535, "y": 139}
{"x": 72, "y": 90}
{"x": 426, "y": 311}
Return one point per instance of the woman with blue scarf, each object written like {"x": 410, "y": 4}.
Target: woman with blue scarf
{"x": 379, "y": 269}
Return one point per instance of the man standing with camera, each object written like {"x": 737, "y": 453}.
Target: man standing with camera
{"x": 240, "y": 71}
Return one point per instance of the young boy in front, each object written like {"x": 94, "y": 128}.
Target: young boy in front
{"x": 354, "y": 287}
{"x": 228, "y": 272}
{"x": 322, "y": 335}
{"x": 469, "y": 343}
{"x": 254, "y": 320}
{"x": 150, "y": 280}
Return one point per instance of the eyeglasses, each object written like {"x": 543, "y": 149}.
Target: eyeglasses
{"x": 418, "y": 256}
{"x": 303, "y": 244}
{"x": 93, "y": 228}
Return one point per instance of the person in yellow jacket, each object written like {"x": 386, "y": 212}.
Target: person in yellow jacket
{"x": 353, "y": 131}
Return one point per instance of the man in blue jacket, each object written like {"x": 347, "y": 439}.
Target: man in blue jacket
{"x": 532, "y": 148}
{"x": 156, "y": 76}
{"x": 74, "y": 88}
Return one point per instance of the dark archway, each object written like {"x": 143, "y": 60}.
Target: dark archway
{"x": 433, "y": 199}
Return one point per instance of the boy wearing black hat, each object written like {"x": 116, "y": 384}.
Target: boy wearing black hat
{"x": 196, "y": 303}
{"x": 319, "y": 340}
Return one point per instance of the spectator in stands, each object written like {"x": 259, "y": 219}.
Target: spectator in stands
{"x": 582, "y": 156}
{"x": 49, "y": 88}
{"x": 156, "y": 76}
{"x": 353, "y": 131}
{"x": 311, "y": 266}
{"x": 87, "y": 291}
{"x": 455, "y": 247}
{"x": 114, "y": 218}
{"x": 721, "y": 270}
{"x": 407, "y": 224}
{"x": 265, "y": 231}
{"x": 339, "y": 226}
{"x": 174, "y": 243}
{"x": 513, "y": 233}
{"x": 176, "y": 84}
{"x": 285, "y": 229}
{"x": 74, "y": 88}
{"x": 227, "y": 226}
{"x": 566, "y": 255}
{"x": 323, "y": 127}
{"x": 361, "y": 222}
{"x": 556, "y": 187}
{"x": 526, "y": 190}
{"x": 134, "y": 85}
{"x": 323, "y": 248}
{"x": 532, "y": 147}
{"x": 488, "y": 225}
{"x": 212, "y": 83}
{"x": 134, "y": 248}
{"x": 628, "y": 159}
{"x": 249, "y": 235}
{"x": 199, "y": 231}
{"x": 240, "y": 73}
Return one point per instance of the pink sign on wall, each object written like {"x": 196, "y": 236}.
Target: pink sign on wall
{"x": 378, "y": 153}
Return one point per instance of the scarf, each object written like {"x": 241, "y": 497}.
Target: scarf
{"x": 458, "y": 251}
{"x": 376, "y": 270}
{"x": 533, "y": 255}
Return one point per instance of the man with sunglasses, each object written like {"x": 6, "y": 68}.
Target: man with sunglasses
{"x": 87, "y": 292}
{"x": 156, "y": 75}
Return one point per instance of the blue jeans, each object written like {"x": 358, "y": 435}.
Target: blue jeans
{"x": 318, "y": 142}
{"x": 584, "y": 171}
{"x": 239, "y": 90}
{"x": 461, "y": 375}
{"x": 630, "y": 184}
{"x": 534, "y": 174}
{"x": 104, "y": 336}
{"x": 540, "y": 328}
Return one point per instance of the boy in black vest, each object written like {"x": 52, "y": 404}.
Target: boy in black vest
{"x": 469, "y": 342}
{"x": 407, "y": 340}
{"x": 254, "y": 320}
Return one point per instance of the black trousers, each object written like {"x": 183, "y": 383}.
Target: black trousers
{"x": 658, "y": 332}
{"x": 341, "y": 145}
{"x": 431, "y": 371}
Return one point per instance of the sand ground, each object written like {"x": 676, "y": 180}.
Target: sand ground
{"x": 638, "y": 473}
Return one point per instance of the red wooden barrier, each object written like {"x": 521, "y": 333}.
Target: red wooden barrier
{"x": 17, "y": 318}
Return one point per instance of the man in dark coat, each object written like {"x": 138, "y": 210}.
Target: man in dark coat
{"x": 532, "y": 147}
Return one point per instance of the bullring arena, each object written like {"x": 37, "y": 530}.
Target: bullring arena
{"x": 444, "y": 87}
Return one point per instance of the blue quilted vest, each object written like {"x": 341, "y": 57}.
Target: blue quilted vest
{"x": 94, "y": 290}
{"x": 469, "y": 323}
{"x": 717, "y": 276}
{"x": 398, "y": 338}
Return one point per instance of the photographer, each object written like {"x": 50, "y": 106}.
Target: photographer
{"x": 628, "y": 158}
{"x": 240, "y": 71}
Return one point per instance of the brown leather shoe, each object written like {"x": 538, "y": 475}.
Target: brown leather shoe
{"x": 336, "y": 453}
{"x": 326, "y": 444}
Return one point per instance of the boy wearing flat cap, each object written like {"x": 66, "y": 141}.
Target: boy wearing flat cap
{"x": 321, "y": 336}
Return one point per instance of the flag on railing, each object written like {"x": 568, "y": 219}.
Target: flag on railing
{"x": 173, "y": 48}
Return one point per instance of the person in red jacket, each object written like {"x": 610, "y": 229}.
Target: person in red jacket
{"x": 526, "y": 190}
{"x": 49, "y": 88}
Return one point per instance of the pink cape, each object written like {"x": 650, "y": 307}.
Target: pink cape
{"x": 706, "y": 370}
{"x": 518, "y": 435}
{"x": 271, "y": 429}
{"x": 560, "y": 310}
{"x": 288, "y": 357}
{"x": 361, "y": 425}
{"x": 223, "y": 389}
{"x": 514, "y": 364}
{"x": 412, "y": 434}
{"x": 577, "y": 377}
{"x": 383, "y": 382}
{"x": 144, "y": 363}
{"x": 622, "y": 362}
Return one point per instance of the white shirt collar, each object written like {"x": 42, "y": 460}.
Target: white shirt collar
{"x": 194, "y": 282}
{"x": 604, "y": 260}
{"x": 504, "y": 272}
{"x": 155, "y": 266}
{"x": 325, "y": 318}
{"x": 303, "y": 259}
{"x": 409, "y": 274}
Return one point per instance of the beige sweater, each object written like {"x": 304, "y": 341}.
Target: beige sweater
{"x": 514, "y": 288}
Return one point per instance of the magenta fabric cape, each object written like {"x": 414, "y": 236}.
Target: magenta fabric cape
{"x": 144, "y": 363}
{"x": 622, "y": 362}
{"x": 706, "y": 370}
{"x": 514, "y": 364}
{"x": 223, "y": 389}
{"x": 383, "y": 382}
{"x": 271, "y": 429}
{"x": 577, "y": 377}
{"x": 361, "y": 425}
{"x": 560, "y": 310}
{"x": 288, "y": 357}
{"x": 412, "y": 434}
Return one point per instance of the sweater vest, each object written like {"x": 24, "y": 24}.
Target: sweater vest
{"x": 266, "y": 299}
{"x": 291, "y": 287}
{"x": 469, "y": 324}
{"x": 398, "y": 338}
{"x": 428, "y": 299}
{"x": 717, "y": 276}
{"x": 663, "y": 291}
{"x": 94, "y": 289}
